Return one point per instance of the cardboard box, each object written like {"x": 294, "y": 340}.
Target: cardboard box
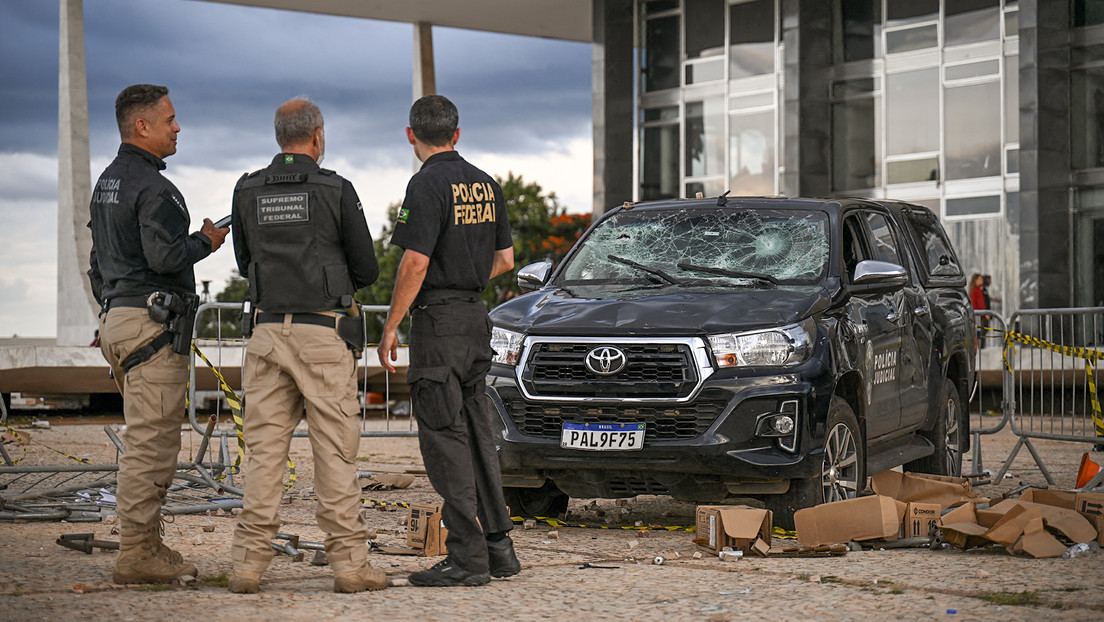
{"x": 417, "y": 523}
{"x": 839, "y": 522}
{"x": 923, "y": 488}
{"x": 1098, "y": 522}
{"x": 740, "y": 527}
{"x": 1045, "y": 496}
{"x": 1089, "y": 503}
{"x": 920, "y": 518}
{"x": 436, "y": 532}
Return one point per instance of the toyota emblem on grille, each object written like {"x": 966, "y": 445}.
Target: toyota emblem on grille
{"x": 605, "y": 360}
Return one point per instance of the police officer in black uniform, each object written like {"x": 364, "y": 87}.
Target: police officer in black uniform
{"x": 301, "y": 239}
{"x": 141, "y": 252}
{"x": 456, "y": 236}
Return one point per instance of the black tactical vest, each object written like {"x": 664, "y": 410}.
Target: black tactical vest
{"x": 292, "y": 224}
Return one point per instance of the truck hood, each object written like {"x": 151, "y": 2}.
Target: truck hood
{"x": 580, "y": 312}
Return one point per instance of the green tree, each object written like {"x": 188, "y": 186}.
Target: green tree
{"x": 541, "y": 228}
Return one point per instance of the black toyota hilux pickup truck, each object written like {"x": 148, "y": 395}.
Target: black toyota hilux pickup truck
{"x": 773, "y": 349}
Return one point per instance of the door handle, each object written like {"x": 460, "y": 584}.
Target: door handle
{"x": 892, "y": 316}
{"x": 920, "y": 311}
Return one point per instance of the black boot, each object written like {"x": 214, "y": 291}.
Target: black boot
{"x": 504, "y": 562}
{"x": 445, "y": 573}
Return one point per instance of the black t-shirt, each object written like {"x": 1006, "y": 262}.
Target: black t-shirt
{"x": 454, "y": 214}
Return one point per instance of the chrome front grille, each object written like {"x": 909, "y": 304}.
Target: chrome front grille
{"x": 662, "y": 369}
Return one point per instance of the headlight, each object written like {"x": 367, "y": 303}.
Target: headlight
{"x": 787, "y": 345}
{"x": 506, "y": 345}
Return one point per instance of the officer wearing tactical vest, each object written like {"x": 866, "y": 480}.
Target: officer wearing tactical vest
{"x": 301, "y": 239}
{"x": 456, "y": 236}
{"x": 142, "y": 256}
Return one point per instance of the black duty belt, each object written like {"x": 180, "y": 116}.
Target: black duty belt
{"x": 317, "y": 319}
{"x": 444, "y": 296}
{"x": 128, "y": 301}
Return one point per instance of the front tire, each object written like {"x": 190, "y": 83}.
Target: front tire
{"x": 946, "y": 435}
{"x": 842, "y": 472}
{"x": 545, "y": 502}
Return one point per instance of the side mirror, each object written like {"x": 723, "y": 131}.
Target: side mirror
{"x": 878, "y": 276}
{"x": 532, "y": 277}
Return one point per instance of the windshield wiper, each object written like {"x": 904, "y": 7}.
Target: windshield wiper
{"x": 727, "y": 272}
{"x": 639, "y": 266}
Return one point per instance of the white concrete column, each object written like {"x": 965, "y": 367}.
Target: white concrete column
{"x": 76, "y": 308}
{"x": 424, "y": 69}
{"x": 425, "y": 81}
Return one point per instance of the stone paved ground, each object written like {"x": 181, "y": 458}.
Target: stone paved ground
{"x": 40, "y": 580}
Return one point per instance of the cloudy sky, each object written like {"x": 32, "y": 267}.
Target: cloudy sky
{"x": 525, "y": 107}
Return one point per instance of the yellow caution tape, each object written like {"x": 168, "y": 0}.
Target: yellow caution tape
{"x": 378, "y": 503}
{"x": 555, "y": 522}
{"x": 1091, "y": 356}
{"x": 236, "y": 408}
{"x": 784, "y": 534}
{"x": 18, "y": 437}
{"x": 23, "y": 444}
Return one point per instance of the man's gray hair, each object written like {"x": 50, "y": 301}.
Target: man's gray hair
{"x": 296, "y": 124}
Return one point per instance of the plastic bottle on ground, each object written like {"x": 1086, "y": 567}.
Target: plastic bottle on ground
{"x": 1081, "y": 549}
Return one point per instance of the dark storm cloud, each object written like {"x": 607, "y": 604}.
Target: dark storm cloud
{"x": 28, "y": 76}
{"x": 228, "y": 67}
{"x": 538, "y": 92}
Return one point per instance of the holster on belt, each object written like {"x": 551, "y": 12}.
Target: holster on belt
{"x": 178, "y": 313}
{"x": 351, "y": 327}
{"x": 247, "y": 318}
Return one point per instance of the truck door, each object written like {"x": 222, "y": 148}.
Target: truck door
{"x": 914, "y": 317}
{"x": 877, "y": 321}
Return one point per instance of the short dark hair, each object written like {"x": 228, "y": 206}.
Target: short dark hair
{"x": 296, "y": 124}
{"x": 134, "y": 99}
{"x": 434, "y": 120}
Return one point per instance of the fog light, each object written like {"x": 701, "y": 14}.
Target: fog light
{"x": 782, "y": 424}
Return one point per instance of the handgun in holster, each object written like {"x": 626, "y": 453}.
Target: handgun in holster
{"x": 247, "y": 319}
{"x": 351, "y": 327}
{"x": 177, "y": 312}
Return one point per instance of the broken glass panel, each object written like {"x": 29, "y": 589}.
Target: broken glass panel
{"x": 733, "y": 247}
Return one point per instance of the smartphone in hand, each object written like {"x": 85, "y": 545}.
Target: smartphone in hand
{"x": 223, "y": 222}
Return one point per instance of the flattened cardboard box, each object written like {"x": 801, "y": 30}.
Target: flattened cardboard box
{"x": 1016, "y": 525}
{"x": 839, "y": 522}
{"x": 960, "y": 527}
{"x": 436, "y": 532}
{"x": 923, "y": 488}
{"x": 1073, "y": 525}
{"x": 738, "y": 526}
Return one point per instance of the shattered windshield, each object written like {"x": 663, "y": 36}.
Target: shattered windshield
{"x": 734, "y": 247}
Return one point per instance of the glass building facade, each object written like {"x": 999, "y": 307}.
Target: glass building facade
{"x": 922, "y": 100}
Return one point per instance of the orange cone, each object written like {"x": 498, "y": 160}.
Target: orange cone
{"x": 1087, "y": 471}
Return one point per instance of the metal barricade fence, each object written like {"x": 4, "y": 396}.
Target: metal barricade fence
{"x": 225, "y": 355}
{"x": 988, "y": 373}
{"x": 1051, "y": 378}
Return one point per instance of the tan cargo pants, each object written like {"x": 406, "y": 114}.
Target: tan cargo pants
{"x": 289, "y": 367}
{"x": 153, "y": 407}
